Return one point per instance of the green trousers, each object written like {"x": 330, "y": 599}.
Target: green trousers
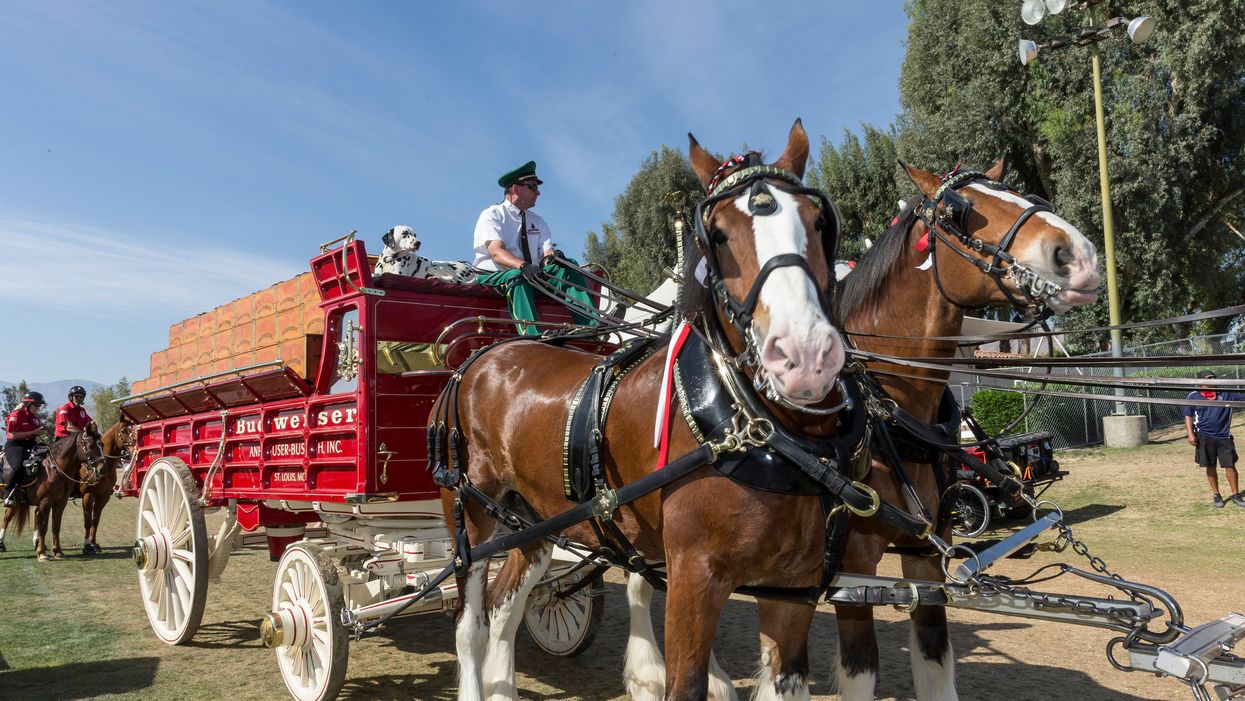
{"x": 522, "y": 298}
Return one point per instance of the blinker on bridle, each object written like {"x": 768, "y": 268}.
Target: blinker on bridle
{"x": 948, "y": 211}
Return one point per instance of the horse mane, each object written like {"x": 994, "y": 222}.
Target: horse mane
{"x": 861, "y": 290}
{"x": 693, "y": 298}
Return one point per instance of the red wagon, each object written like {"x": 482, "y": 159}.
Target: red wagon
{"x": 330, "y": 446}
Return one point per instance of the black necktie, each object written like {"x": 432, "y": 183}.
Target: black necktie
{"x": 527, "y": 252}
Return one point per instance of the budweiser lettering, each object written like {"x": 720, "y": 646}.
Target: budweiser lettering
{"x": 292, "y": 421}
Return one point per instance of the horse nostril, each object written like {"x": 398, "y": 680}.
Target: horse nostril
{"x": 1063, "y": 257}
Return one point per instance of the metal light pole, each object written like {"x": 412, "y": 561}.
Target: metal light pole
{"x": 1139, "y": 29}
{"x": 1108, "y": 225}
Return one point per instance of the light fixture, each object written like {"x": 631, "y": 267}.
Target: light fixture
{"x": 1140, "y": 29}
{"x": 1054, "y": 7}
{"x": 1028, "y": 51}
{"x": 1033, "y": 11}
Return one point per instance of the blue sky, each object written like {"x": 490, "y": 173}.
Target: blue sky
{"x": 158, "y": 159}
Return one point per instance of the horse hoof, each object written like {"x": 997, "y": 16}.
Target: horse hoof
{"x": 96, "y": 549}
{"x": 87, "y": 551}
{"x": 58, "y": 556}
{"x": 43, "y": 558}
{"x": 2, "y": 548}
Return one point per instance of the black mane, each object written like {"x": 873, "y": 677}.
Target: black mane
{"x": 861, "y": 290}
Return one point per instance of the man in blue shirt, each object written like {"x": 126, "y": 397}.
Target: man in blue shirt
{"x": 1208, "y": 429}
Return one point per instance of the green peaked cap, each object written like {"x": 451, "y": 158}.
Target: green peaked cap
{"x": 527, "y": 171}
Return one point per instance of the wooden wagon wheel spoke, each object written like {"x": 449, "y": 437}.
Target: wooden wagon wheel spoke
{"x": 171, "y": 551}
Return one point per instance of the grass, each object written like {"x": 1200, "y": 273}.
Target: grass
{"x": 74, "y": 628}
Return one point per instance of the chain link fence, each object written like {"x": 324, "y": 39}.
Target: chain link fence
{"x": 1075, "y": 423}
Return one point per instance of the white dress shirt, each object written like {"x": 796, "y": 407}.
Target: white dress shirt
{"x": 500, "y": 222}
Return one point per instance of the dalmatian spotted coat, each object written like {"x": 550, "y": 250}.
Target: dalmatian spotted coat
{"x": 401, "y": 257}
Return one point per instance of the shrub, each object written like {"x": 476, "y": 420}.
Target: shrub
{"x": 995, "y": 409}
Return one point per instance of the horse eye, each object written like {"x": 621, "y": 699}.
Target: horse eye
{"x": 717, "y": 236}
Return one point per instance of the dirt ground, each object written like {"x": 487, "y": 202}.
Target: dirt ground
{"x": 81, "y": 632}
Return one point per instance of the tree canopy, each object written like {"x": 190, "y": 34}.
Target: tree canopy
{"x": 103, "y": 410}
{"x": 637, "y": 244}
{"x": 863, "y": 180}
{"x": 1175, "y": 123}
{"x": 1175, "y": 131}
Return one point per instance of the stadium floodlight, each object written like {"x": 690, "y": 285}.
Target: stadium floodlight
{"x": 1054, "y": 7}
{"x": 1028, "y": 51}
{"x": 1140, "y": 29}
{"x": 1033, "y": 11}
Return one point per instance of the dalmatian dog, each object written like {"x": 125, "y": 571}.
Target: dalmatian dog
{"x": 401, "y": 257}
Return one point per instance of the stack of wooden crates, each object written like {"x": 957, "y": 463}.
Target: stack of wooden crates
{"x": 282, "y": 322}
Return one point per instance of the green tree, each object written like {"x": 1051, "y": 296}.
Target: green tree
{"x": 1175, "y": 110}
{"x": 863, "y": 181}
{"x": 9, "y": 398}
{"x": 637, "y": 244}
{"x": 103, "y": 410}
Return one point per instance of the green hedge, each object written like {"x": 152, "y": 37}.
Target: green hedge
{"x": 995, "y": 409}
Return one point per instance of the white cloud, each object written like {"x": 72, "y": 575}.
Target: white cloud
{"x": 73, "y": 268}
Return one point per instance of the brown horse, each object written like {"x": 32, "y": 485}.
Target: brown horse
{"x": 916, "y": 284}
{"x": 96, "y": 487}
{"x": 909, "y": 289}
{"x": 63, "y": 465}
{"x": 762, "y": 236}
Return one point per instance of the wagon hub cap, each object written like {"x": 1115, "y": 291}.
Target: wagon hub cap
{"x": 152, "y": 552}
{"x": 289, "y": 627}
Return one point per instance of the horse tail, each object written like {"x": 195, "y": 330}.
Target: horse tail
{"x": 23, "y": 513}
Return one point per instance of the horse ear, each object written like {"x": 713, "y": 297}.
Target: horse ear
{"x": 795, "y": 157}
{"x": 998, "y": 169}
{"x": 703, "y": 162}
{"x": 926, "y": 182}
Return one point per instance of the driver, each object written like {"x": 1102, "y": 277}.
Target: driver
{"x": 512, "y": 246}
{"x": 72, "y": 416}
{"x": 23, "y": 427}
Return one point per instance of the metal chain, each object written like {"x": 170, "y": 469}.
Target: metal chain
{"x": 993, "y": 586}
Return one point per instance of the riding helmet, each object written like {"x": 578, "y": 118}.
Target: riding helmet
{"x": 77, "y": 389}
{"x": 33, "y": 396}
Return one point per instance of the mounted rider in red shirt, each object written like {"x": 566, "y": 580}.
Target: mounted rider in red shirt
{"x": 22, "y": 428}
{"x": 72, "y": 416}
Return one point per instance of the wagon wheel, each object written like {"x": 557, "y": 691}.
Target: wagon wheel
{"x": 305, "y": 625}
{"x": 171, "y": 551}
{"x": 563, "y": 626}
{"x": 970, "y": 511}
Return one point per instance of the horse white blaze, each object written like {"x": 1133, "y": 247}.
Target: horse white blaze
{"x": 1081, "y": 277}
{"x": 801, "y": 350}
{"x": 499, "y": 683}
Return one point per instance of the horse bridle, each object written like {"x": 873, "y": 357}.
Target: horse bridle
{"x": 947, "y": 212}
{"x": 95, "y": 465}
{"x": 756, "y": 179}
